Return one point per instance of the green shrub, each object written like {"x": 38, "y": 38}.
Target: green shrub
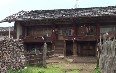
{"x": 96, "y": 70}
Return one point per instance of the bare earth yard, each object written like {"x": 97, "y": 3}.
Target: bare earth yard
{"x": 60, "y": 66}
{"x": 69, "y": 67}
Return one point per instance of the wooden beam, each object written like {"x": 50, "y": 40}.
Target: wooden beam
{"x": 97, "y": 31}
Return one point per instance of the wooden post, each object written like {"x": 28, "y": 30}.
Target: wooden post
{"x": 74, "y": 48}
{"x": 53, "y": 48}
{"x": 9, "y": 31}
{"x": 44, "y": 55}
{"x": 100, "y": 40}
{"x": 64, "y": 48}
{"x": 53, "y": 37}
{"x": 23, "y": 29}
{"x": 15, "y": 30}
{"x": 74, "y": 38}
{"x": 97, "y": 31}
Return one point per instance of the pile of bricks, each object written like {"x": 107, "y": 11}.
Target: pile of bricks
{"x": 11, "y": 55}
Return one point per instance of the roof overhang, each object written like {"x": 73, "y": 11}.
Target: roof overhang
{"x": 78, "y": 13}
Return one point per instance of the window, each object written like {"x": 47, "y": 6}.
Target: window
{"x": 107, "y": 29}
{"x": 67, "y": 31}
{"x": 86, "y": 30}
{"x": 40, "y": 31}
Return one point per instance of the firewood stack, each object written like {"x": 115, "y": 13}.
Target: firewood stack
{"x": 11, "y": 55}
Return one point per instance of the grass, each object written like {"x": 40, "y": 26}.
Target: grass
{"x": 49, "y": 69}
{"x": 55, "y": 68}
{"x": 38, "y": 70}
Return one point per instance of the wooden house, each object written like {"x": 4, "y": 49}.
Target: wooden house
{"x": 69, "y": 32}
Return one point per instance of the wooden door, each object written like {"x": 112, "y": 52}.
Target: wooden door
{"x": 87, "y": 49}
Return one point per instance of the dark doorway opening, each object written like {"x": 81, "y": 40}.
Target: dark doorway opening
{"x": 69, "y": 48}
{"x": 86, "y": 48}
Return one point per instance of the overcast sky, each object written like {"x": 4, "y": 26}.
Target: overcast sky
{"x": 9, "y": 7}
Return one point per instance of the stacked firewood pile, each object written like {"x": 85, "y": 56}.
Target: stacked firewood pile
{"x": 107, "y": 61}
{"x": 11, "y": 55}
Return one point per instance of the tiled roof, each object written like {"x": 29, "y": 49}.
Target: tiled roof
{"x": 61, "y": 13}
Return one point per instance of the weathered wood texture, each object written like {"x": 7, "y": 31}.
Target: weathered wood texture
{"x": 44, "y": 55}
{"x": 107, "y": 61}
{"x": 11, "y": 55}
{"x": 37, "y": 57}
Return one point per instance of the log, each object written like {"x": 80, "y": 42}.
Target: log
{"x": 107, "y": 60}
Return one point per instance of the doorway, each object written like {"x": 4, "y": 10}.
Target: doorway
{"x": 69, "y": 48}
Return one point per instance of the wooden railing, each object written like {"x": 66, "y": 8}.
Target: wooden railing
{"x": 86, "y": 37}
{"x": 36, "y": 39}
{"x": 68, "y": 37}
{"x": 36, "y": 58}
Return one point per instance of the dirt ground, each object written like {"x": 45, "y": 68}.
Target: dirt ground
{"x": 68, "y": 66}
